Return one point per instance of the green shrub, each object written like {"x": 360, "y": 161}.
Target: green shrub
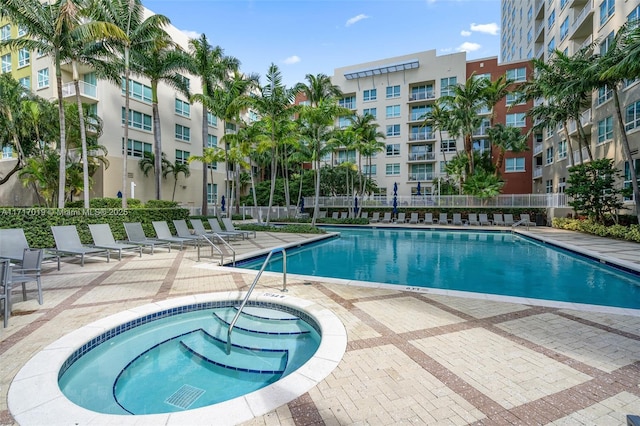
{"x": 104, "y": 203}
{"x": 621, "y": 232}
{"x": 293, "y": 229}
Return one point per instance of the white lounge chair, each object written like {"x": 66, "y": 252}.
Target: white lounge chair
{"x": 483, "y": 219}
{"x": 344, "y": 215}
{"x": 386, "y": 218}
{"x": 414, "y": 218}
{"x": 364, "y": 215}
{"x": 457, "y": 219}
{"x": 428, "y": 219}
{"x": 136, "y": 235}
{"x": 497, "y": 219}
{"x": 68, "y": 243}
{"x": 375, "y": 217}
{"x": 103, "y": 238}
{"x": 228, "y": 226}
{"x": 508, "y": 219}
{"x": 526, "y": 220}
{"x": 335, "y": 215}
{"x": 473, "y": 219}
{"x": 443, "y": 219}
{"x": 322, "y": 214}
{"x": 401, "y": 218}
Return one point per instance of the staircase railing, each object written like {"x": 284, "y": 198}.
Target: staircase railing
{"x": 253, "y": 285}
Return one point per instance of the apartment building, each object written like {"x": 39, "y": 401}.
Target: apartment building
{"x": 398, "y": 91}
{"x": 533, "y": 29}
{"x": 181, "y": 128}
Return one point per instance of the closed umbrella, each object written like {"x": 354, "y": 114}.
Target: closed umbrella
{"x": 395, "y": 198}
{"x": 222, "y": 203}
{"x": 355, "y": 206}
{"x": 419, "y": 190}
{"x": 301, "y": 204}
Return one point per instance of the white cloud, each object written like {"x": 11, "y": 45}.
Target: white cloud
{"x": 292, "y": 60}
{"x": 465, "y": 33}
{"x": 355, "y": 19}
{"x": 491, "y": 28}
{"x": 191, "y": 34}
{"x": 468, "y": 47}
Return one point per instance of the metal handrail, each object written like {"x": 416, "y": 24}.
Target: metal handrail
{"x": 520, "y": 222}
{"x": 253, "y": 285}
{"x": 213, "y": 246}
{"x": 228, "y": 246}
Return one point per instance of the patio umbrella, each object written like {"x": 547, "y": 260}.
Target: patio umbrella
{"x": 301, "y": 204}
{"x": 418, "y": 189}
{"x": 395, "y": 198}
{"x": 355, "y": 206}
{"x": 222, "y": 203}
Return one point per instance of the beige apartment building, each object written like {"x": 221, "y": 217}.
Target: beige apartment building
{"x": 533, "y": 29}
{"x": 181, "y": 128}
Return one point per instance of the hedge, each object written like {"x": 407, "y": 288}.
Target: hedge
{"x": 37, "y": 222}
{"x": 620, "y": 232}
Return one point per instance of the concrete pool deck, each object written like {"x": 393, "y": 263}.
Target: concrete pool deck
{"x": 411, "y": 357}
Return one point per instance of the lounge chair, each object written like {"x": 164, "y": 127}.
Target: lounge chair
{"x": 344, "y": 215}
{"x": 13, "y": 242}
{"x": 103, "y": 238}
{"x": 414, "y": 218}
{"x": 386, "y": 218}
{"x": 164, "y": 234}
{"x": 199, "y": 230}
{"x": 375, "y": 218}
{"x": 443, "y": 219}
{"x": 402, "y": 218}
{"x": 498, "y": 220}
{"x": 228, "y": 226}
{"x": 508, "y": 219}
{"x": 215, "y": 227}
{"x": 183, "y": 231}
{"x": 335, "y": 215}
{"x": 68, "y": 243}
{"x": 5, "y": 268}
{"x": 364, "y": 215}
{"x": 428, "y": 219}
{"x": 135, "y": 235}
{"x": 483, "y": 219}
{"x": 526, "y": 220}
{"x": 473, "y": 219}
{"x": 322, "y": 214}
{"x": 457, "y": 219}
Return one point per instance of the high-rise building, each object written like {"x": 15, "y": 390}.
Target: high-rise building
{"x": 398, "y": 91}
{"x": 534, "y": 29}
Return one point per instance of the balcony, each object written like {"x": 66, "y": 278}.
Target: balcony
{"x": 539, "y": 32}
{"x": 422, "y": 156}
{"x": 421, "y": 136}
{"x": 88, "y": 92}
{"x": 585, "y": 122}
{"x": 349, "y": 105}
{"x": 576, "y": 156}
{"x": 420, "y": 177}
{"x": 583, "y": 22}
{"x": 537, "y": 172}
{"x": 539, "y": 5}
{"x": 422, "y": 96}
{"x": 537, "y": 148}
{"x": 540, "y": 53}
{"x": 417, "y": 116}
{"x": 481, "y": 131}
{"x": 587, "y": 42}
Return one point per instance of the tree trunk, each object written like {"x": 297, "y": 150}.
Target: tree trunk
{"x": 569, "y": 144}
{"x": 157, "y": 139}
{"x": 468, "y": 148}
{"x": 205, "y": 166}
{"x": 83, "y": 137}
{"x": 125, "y": 153}
{"x": 62, "y": 168}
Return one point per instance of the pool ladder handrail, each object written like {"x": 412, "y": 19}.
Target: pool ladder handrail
{"x": 253, "y": 285}
{"x": 213, "y": 246}
{"x": 520, "y": 222}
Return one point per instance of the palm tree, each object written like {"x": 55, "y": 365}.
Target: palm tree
{"x": 147, "y": 164}
{"x": 209, "y": 157}
{"x": 506, "y": 139}
{"x": 365, "y": 129}
{"x": 437, "y": 117}
{"x": 54, "y": 29}
{"x": 213, "y": 67}
{"x": 163, "y": 62}
{"x": 319, "y": 88}
{"x": 139, "y": 34}
{"x": 175, "y": 169}
{"x": 13, "y": 96}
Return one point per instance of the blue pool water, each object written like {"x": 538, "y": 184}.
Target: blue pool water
{"x": 483, "y": 262}
{"x": 179, "y": 362}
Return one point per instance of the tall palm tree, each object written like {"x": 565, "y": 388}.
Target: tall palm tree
{"x": 213, "y": 67}
{"x": 13, "y": 95}
{"x": 162, "y": 63}
{"x": 175, "y": 169}
{"x": 52, "y": 28}
{"x": 209, "y": 157}
{"x": 506, "y": 139}
{"x": 139, "y": 34}
{"x": 319, "y": 88}
{"x": 366, "y": 130}
{"x": 438, "y": 117}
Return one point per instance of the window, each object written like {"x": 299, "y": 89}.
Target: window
{"x": 43, "y": 78}
{"x": 562, "y": 149}
{"x": 606, "y": 43}
{"x": 562, "y": 184}
{"x": 530, "y": 14}
{"x": 24, "y": 58}
{"x": 393, "y": 149}
{"x": 344, "y": 122}
{"x": 604, "y": 94}
{"x": 418, "y": 112}
{"x": 137, "y": 148}
{"x": 370, "y": 95}
{"x": 393, "y": 92}
{"x": 371, "y": 111}
{"x": 393, "y": 130}
{"x": 514, "y": 164}
{"x": 25, "y": 82}
{"x": 550, "y": 155}
{"x": 393, "y": 169}
{"x": 212, "y": 141}
{"x": 634, "y": 16}
{"x": 607, "y": 8}
{"x": 5, "y": 32}
{"x": 446, "y": 85}
{"x": 529, "y": 35}
{"x": 393, "y": 111}
{"x": 212, "y": 120}
{"x": 185, "y": 80}
{"x": 21, "y": 30}
{"x": 551, "y": 46}
{"x": 551, "y": 19}
{"x": 605, "y": 129}
{"x": 138, "y": 120}
{"x": 627, "y": 174}
{"x": 348, "y": 102}
{"x": 517, "y": 74}
{"x": 370, "y": 171}
{"x": 6, "y": 63}
{"x": 422, "y": 92}
{"x": 448, "y": 145}
{"x": 182, "y": 156}
{"x": 138, "y": 91}
{"x": 183, "y": 108}
{"x": 212, "y": 193}
{"x": 183, "y": 133}
{"x": 516, "y": 120}
{"x": 548, "y": 186}
{"x": 632, "y": 116}
{"x": 564, "y": 28}
{"x": 563, "y": 3}
{"x": 515, "y": 98}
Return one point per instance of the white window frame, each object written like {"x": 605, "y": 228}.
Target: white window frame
{"x": 182, "y": 156}
{"x": 24, "y": 58}
{"x": 182, "y": 133}
{"x": 393, "y": 149}
{"x": 182, "y": 108}
{"x": 392, "y": 111}
{"x": 605, "y": 130}
{"x": 517, "y": 119}
{"x": 517, "y": 74}
{"x": 392, "y": 169}
{"x": 514, "y": 165}
{"x": 549, "y": 155}
{"x": 43, "y": 78}
{"x": 633, "y": 112}
{"x": 393, "y": 130}
{"x": 5, "y": 32}
{"x": 371, "y": 111}
{"x": 369, "y": 95}
{"x": 393, "y": 91}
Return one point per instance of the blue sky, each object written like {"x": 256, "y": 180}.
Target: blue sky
{"x": 313, "y": 36}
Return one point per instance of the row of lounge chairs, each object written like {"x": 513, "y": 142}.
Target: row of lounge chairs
{"x": 498, "y": 219}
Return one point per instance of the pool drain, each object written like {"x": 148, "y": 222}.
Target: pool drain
{"x": 184, "y": 397}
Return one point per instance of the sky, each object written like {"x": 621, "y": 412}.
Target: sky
{"x": 316, "y": 36}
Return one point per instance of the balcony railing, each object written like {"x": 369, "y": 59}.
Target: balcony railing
{"x": 348, "y": 105}
{"x": 418, "y": 96}
{"x": 576, "y": 156}
{"x": 86, "y": 89}
{"x": 423, "y": 156}
{"x": 580, "y": 17}
{"x": 537, "y": 148}
{"x": 481, "y": 131}
{"x": 537, "y": 172}
{"x": 585, "y": 120}
{"x": 420, "y": 177}
{"x": 421, "y": 136}
{"x": 540, "y": 52}
{"x": 417, "y": 116}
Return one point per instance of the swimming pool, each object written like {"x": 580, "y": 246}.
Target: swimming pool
{"x": 487, "y": 262}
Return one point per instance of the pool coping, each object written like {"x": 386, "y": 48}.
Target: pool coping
{"x": 50, "y": 406}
